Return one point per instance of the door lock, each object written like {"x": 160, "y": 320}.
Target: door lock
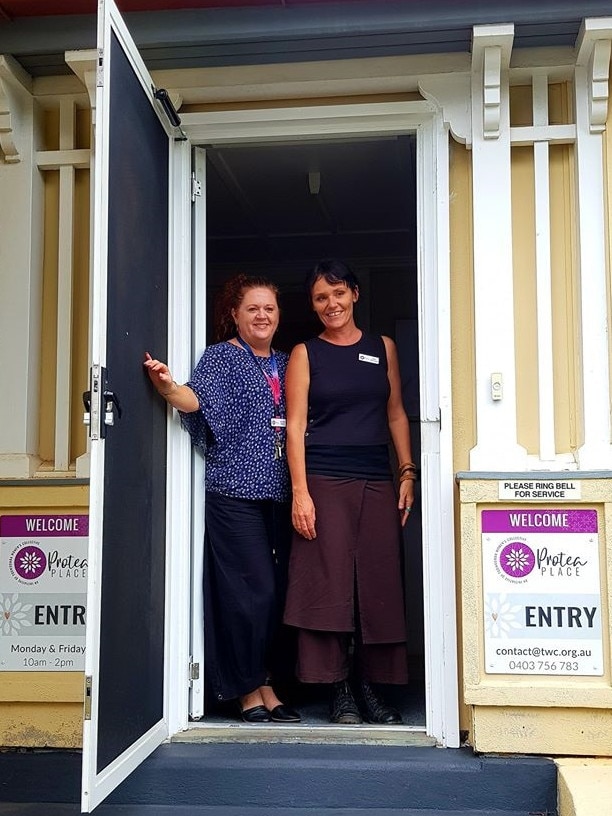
{"x": 101, "y": 404}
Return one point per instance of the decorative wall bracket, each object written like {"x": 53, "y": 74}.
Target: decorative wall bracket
{"x": 451, "y": 94}
{"x": 491, "y": 50}
{"x": 83, "y": 63}
{"x": 594, "y": 46}
{"x": 14, "y": 84}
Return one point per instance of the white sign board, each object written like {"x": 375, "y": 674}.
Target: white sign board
{"x": 545, "y": 490}
{"x": 542, "y": 593}
{"x": 43, "y": 589}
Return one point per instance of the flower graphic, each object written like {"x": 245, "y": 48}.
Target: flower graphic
{"x": 30, "y": 562}
{"x": 501, "y": 615}
{"x": 517, "y": 559}
{"x": 13, "y": 615}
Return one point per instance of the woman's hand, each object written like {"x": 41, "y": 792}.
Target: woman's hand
{"x": 178, "y": 396}
{"x": 303, "y": 515}
{"x": 160, "y": 375}
{"x": 406, "y": 499}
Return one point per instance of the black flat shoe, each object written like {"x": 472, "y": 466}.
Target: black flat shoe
{"x": 257, "y": 714}
{"x": 284, "y": 714}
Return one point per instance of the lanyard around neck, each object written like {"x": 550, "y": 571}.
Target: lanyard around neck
{"x": 273, "y": 379}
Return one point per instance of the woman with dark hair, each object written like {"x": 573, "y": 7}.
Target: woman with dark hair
{"x": 343, "y": 405}
{"x": 234, "y": 409}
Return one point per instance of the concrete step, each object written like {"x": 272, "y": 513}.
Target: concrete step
{"x": 585, "y": 786}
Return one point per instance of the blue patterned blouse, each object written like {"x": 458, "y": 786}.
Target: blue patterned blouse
{"x": 232, "y": 426}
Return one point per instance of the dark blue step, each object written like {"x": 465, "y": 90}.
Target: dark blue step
{"x": 9, "y": 809}
{"x": 349, "y": 776}
{"x": 230, "y": 779}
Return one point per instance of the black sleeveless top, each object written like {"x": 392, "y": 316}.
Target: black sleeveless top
{"x": 347, "y": 432}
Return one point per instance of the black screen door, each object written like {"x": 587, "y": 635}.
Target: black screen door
{"x": 124, "y": 719}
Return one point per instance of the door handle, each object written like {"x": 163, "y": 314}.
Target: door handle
{"x": 111, "y": 404}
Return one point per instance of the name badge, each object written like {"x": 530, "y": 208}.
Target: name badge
{"x": 277, "y": 422}
{"x": 367, "y": 358}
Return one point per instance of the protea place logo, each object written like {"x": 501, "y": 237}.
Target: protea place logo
{"x": 514, "y": 559}
{"x": 28, "y": 562}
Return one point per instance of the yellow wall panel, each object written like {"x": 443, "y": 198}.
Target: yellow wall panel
{"x": 462, "y": 341}
{"x": 551, "y": 731}
{"x": 462, "y": 305}
{"x": 46, "y": 444}
{"x": 525, "y": 299}
{"x": 80, "y": 314}
{"x": 258, "y": 104}
{"x": 25, "y": 725}
{"x": 565, "y": 299}
{"x": 521, "y": 106}
{"x": 561, "y": 103}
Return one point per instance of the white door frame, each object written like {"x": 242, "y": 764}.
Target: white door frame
{"x": 358, "y": 120}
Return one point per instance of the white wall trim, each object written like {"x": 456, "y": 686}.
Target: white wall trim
{"x": 596, "y": 451}
{"x": 21, "y": 228}
{"x": 196, "y": 694}
{"x": 441, "y": 662}
{"x": 497, "y": 447}
{"x": 280, "y": 124}
{"x": 178, "y": 521}
{"x": 18, "y": 465}
{"x": 544, "y": 310}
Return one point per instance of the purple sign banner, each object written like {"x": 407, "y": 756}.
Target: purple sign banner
{"x": 47, "y": 525}
{"x": 542, "y": 520}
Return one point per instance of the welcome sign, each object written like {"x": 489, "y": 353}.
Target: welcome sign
{"x": 43, "y": 589}
{"x": 542, "y": 592}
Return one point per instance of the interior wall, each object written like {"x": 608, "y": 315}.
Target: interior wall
{"x": 388, "y": 305}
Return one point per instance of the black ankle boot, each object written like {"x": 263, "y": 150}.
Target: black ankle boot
{"x": 374, "y": 709}
{"x": 343, "y": 709}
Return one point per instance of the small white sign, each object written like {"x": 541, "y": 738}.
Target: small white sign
{"x": 43, "y": 591}
{"x": 545, "y": 490}
{"x": 542, "y": 591}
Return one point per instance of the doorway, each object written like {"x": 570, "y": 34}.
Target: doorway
{"x": 275, "y": 209}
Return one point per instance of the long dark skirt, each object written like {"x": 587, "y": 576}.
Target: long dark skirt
{"x": 245, "y": 574}
{"x": 352, "y": 564}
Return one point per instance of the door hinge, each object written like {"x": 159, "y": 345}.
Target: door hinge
{"x": 194, "y": 671}
{"x": 196, "y": 187}
{"x": 87, "y": 698}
